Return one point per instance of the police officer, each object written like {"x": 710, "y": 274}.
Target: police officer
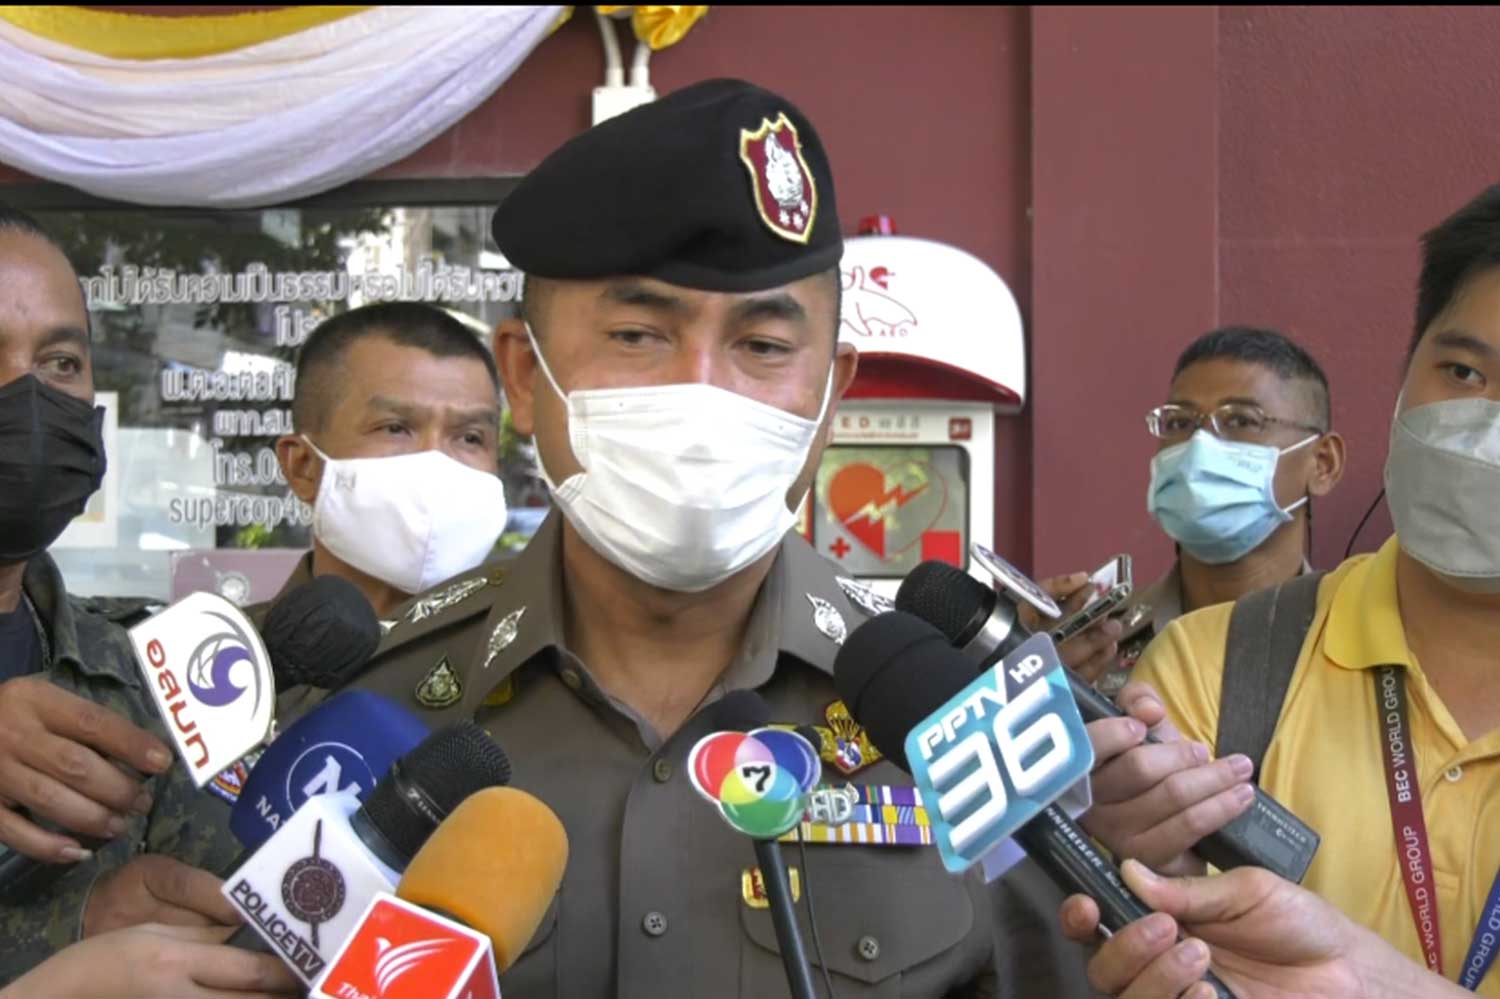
{"x": 678, "y": 364}
{"x": 73, "y": 711}
{"x": 397, "y": 411}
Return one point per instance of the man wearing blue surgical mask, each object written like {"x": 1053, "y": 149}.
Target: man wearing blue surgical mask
{"x": 1387, "y": 740}
{"x": 1244, "y": 447}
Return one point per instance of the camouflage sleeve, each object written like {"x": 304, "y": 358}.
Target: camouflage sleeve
{"x": 184, "y": 823}
{"x": 35, "y": 930}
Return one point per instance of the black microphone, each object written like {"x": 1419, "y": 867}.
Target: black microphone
{"x": 325, "y": 864}
{"x": 321, "y": 634}
{"x": 742, "y": 711}
{"x": 896, "y": 670}
{"x": 983, "y": 625}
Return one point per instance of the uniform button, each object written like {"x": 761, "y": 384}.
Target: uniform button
{"x": 868, "y": 948}
{"x": 655, "y": 924}
{"x": 661, "y": 770}
{"x": 1454, "y": 775}
{"x": 570, "y": 679}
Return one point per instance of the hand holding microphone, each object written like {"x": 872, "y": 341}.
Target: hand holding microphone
{"x": 153, "y": 961}
{"x": 1269, "y": 937}
{"x": 991, "y": 754}
{"x": 1228, "y": 822}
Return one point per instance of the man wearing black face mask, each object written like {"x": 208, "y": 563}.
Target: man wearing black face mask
{"x": 77, "y": 761}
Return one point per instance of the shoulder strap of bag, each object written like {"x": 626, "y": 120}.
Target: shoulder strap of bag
{"x": 1266, "y": 631}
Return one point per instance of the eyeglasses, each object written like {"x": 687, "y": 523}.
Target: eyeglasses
{"x": 1233, "y": 421}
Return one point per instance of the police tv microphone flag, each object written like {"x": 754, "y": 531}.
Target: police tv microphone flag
{"x": 303, "y": 891}
{"x": 984, "y": 625}
{"x": 210, "y": 675}
{"x": 759, "y": 778}
{"x": 468, "y": 904}
{"x": 347, "y": 743}
{"x": 989, "y": 756}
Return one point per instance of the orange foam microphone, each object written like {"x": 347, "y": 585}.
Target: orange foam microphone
{"x": 494, "y": 865}
{"x": 468, "y": 903}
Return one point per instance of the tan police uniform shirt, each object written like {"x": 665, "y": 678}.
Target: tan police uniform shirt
{"x": 653, "y": 902}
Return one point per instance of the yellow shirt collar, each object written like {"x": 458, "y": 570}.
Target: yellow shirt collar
{"x": 1364, "y": 623}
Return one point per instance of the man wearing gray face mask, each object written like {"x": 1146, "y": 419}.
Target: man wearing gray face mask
{"x": 1388, "y": 742}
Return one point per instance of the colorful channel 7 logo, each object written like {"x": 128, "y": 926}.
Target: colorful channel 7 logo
{"x": 999, "y": 752}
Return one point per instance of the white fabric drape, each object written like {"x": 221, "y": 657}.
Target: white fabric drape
{"x": 258, "y": 125}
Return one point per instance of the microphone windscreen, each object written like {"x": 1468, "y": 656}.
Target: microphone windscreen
{"x": 495, "y": 865}
{"x": 946, "y": 597}
{"x": 426, "y": 785}
{"x": 740, "y": 711}
{"x": 893, "y": 671}
{"x": 320, "y": 634}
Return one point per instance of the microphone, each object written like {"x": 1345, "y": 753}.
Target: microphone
{"x": 321, "y": 634}
{"x": 333, "y": 855}
{"x": 747, "y": 711}
{"x": 469, "y": 902}
{"x": 347, "y": 743}
{"x": 210, "y": 677}
{"x": 984, "y": 626}
{"x": 915, "y": 695}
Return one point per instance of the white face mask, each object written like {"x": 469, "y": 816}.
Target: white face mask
{"x": 683, "y": 485}
{"x": 409, "y": 520}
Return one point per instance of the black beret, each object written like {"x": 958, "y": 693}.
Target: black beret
{"x": 720, "y": 186}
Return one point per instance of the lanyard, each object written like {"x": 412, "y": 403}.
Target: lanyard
{"x": 1413, "y": 851}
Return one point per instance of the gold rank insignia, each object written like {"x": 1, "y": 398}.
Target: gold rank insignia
{"x": 440, "y": 688}
{"x": 501, "y": 695}
{"x": 753, "y": 887}
{"x": 845, "y": 744}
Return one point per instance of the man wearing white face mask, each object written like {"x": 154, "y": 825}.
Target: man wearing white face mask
{"x": 678, "y": 365}
{"x": 1388, "y": 742}
{"x": 398, "y": 416}
{"x": 1244, "y": 449}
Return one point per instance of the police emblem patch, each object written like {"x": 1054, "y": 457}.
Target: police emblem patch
{"x": 785, "y": 195}
{"x": 440, "y": 688}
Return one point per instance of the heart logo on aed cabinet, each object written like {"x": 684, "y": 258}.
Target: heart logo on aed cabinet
{"x": 866, "y": 504}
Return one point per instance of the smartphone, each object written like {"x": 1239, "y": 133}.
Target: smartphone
{"x": 1112, "y": 586}
{"x": 1014, "y": 582}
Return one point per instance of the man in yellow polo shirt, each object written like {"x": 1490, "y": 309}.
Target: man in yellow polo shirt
{"x": 1388, "y": 742}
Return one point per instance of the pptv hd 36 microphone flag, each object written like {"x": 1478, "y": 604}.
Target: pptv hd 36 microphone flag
{"x": 989, "y": 755}
{"x": 983, "y": 624}
{"x": 209, "y": 673}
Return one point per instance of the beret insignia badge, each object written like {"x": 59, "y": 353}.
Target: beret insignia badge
{"x": 785, "y": 195}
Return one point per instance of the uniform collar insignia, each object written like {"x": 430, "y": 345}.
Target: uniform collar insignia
{"x": 447, "y": 597}
{"x": 864, "y": 596}
{"x": 828, "y": 620}
{"x": 505, "y": 632}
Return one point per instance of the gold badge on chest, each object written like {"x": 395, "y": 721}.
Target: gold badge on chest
{"x": 844, "y": 742}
